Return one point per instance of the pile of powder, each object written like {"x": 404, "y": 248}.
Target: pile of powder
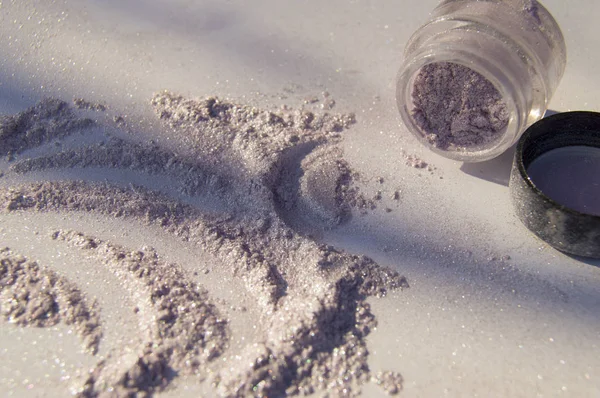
{"x": 187, "y": 177}
{"x": 188, "y": 331}
{"x": 49, "y": 119}
{"x": 456, "y": 107}
{"x": 315, "y": 190}
{"x": 34, "y": 296}
{"x": 312, "y": 297}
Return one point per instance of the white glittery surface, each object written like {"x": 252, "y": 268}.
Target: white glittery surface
{"x": 490, "y": 311}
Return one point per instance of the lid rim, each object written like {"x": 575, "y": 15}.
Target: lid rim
{"x": 564, "y": 228}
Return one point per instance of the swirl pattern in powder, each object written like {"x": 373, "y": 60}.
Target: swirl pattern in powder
{"x": 258, "y": 184}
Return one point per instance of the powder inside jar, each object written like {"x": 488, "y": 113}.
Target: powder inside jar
{"x": 456, "y": 107}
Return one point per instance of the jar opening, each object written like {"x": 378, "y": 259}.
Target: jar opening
{"x": 463, "y": 110}
{"x": 457, "y": 108}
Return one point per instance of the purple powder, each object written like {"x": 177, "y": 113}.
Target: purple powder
{"x": 278, "y": 177}
{"x": 31, "y": 295}
{"x": 531, "y": 7}
{"x": 457, "y": 107}
{"x": 48, "y": 120}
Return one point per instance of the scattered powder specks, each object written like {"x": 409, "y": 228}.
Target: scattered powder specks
{"x": 269, "y": 169}
{"x": 81, "y": 103}
{"x": 416, "y": 162}
{"x": 328, "y": 104}
{"x": 311, "y": 100}
{"x": 457, "y": 107}
{"x": 390, "y": 382}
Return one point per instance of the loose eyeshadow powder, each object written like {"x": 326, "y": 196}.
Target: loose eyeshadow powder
{"x": 274, "y": 178}
{"x": 456, "y": 107}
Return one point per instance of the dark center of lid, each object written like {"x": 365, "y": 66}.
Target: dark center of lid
{"x": 570, "y": 176}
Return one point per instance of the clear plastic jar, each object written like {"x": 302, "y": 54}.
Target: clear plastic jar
{"x": 516, "y": 45}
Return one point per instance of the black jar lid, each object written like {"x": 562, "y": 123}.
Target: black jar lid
{"x": 567, "y": 229}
